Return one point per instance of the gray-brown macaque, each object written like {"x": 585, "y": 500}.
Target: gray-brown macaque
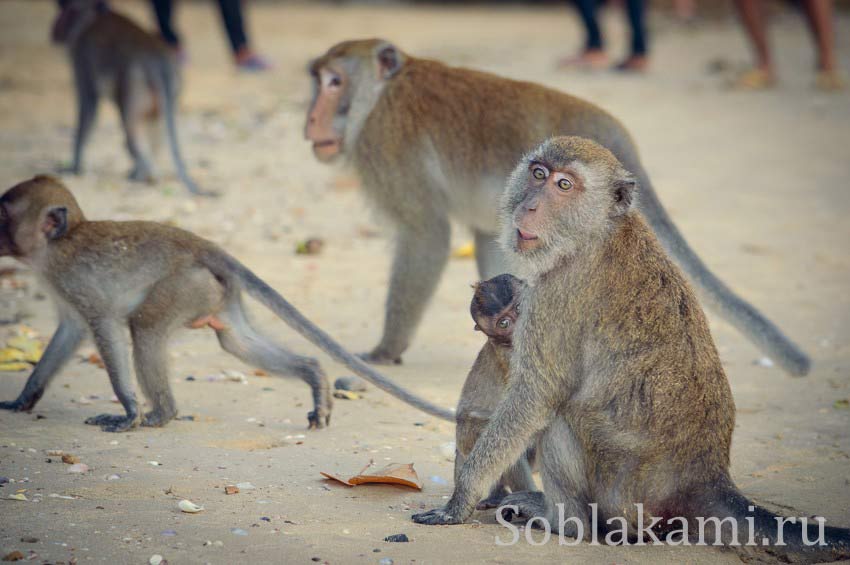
{"x": 113, "y": 57}
{"x": 433, "y": 143}
{"x": 613, "y": 371}
{"x": 107, "y": 277}
{"x": 494, "y": 309}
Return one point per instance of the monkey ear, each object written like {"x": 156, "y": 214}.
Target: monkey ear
{"x": 55, "y": 222}
{"x": 390, "y": 60}
{"x": 624, "y": 190}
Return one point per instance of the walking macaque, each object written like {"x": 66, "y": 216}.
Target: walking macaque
{"x": 106, "y": 276}
{"x": 613, "y": 373}
{"x": 111, "y": 56}
{"x": 432, "y": 142}
{"x": 494, "y": 308}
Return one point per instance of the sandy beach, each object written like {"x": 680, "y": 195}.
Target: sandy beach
{"x": 758, "y": 183}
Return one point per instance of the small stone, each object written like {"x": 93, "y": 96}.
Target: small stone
{"x": 385, "y": 561}
{"x": 113, "y": 477}
{"x": 353, "y": 384}
{"x": 245, "y": 486}
{"x": 190, "y": 378}
{"x": 78, "y": 469}
{"x": 316, "y": 559}
{"x": 218, "y": 543}
{"x": 764, "y": 362}
{"x": 155, "y": 560}
{"x": 238, "y": 532}
{"x": 397, "y": 538}
{"x": 231, "y": 489}
{"x": 27, "y": 539}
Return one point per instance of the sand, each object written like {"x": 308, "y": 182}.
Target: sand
{"x": 756, "y": 181}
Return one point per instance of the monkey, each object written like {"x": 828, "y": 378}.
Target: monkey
{"x": 613, "y": 368}
{"x": 113, "y": 57}
{"x": 494, "y": 309}
{"x": 433, "y": 143}
{"x": 152, "y": 278}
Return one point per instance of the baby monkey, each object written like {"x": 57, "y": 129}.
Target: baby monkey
{"x": 152, "y": 278}
{"x": 495, "y": 308}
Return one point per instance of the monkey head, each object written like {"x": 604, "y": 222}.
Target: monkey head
{"x": 33, "y": 213}
{"x": 74, "y": 17}
{"x": 347, "y": 81}
{"x": 567, "y": 193}
{"x": 495, "y": 307}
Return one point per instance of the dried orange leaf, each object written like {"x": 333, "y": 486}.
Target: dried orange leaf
{"x": 393, "y": 474}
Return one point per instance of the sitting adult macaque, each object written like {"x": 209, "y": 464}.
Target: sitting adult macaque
{"x": 494, "y": 308}
{"x": 152, "y": 278}
{"x": 613, "y": 373}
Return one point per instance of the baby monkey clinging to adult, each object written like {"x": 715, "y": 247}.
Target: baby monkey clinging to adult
{"x": 613, "y": 375}
{"x": 495, "y": 307}
{"x": 106, "y": 276}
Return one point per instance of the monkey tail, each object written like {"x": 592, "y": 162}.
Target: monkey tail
{"x": 749, "y": 321}
{"x": 166, "y": 81}
{"x": 803, "y": 537}
{"x": 224, "y": 266}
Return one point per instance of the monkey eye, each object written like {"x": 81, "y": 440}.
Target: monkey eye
{"x": 504, "y": 323}
{"x": 564, "y": 184}
{"x": 539, "y": 173}
{"x": 335, "y": 81}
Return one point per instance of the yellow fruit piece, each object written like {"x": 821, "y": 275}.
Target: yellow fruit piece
{"x": 465, "y": 251}
{"x": 9, "y": 354}
{"x": 15, "y": 366}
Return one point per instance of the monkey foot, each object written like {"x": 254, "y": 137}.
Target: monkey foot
{"x": 525, "y": 504}
{"x": 494, "y": 500}
{"x": 378, "y": 358}
{"x": 17, "y": 405}
{"x": 113, "y": 422}
{"x": 154, "y": 419}
{"x": 436, "y": 517}
{"x": 318, "y": 419}
{"x": 140, "y": 174}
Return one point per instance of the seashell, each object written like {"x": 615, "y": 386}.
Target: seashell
{"x": 189, "y": 507}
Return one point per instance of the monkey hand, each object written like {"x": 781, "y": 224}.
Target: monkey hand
{"x": 437, "y": 517}
{"x": 18, "y": 405}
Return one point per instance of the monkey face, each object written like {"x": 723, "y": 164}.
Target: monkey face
{"x": 564, "y": 194}
{"x": 348, "y": 77}
{"x": 33, "y": 213}
{"x": 495, "y": 307}
{"x": 74, "y": 16}
{"x": 326, "y": 118}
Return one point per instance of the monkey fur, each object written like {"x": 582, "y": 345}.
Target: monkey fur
{"x": 613, "y": 373}
{"x": 433, "y": 143}
{"x": 108, "y": 276}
